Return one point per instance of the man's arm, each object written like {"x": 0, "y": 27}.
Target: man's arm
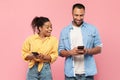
{"x": 93, "y": 51}
{"x": 72, "y": 52}
{"x": 75, "y": 51}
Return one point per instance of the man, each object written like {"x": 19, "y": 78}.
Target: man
{"x": 79, "y": 63}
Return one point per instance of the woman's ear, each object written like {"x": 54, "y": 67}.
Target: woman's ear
{"x": 40, "y": 28}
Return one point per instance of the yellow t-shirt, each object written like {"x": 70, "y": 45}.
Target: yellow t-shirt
{"x": 34, "y": 44}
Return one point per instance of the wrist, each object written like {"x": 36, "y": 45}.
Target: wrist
{"x": 69, "y": 53}
{"x": 43, "y": 57}
{"x": 87, "y": 51}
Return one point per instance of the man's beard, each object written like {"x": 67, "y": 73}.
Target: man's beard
{"x": 75, "y": 23}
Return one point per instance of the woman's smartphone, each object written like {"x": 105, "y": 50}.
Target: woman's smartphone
{"x": 80, "y": 47}
{"x": 35, "y": 53}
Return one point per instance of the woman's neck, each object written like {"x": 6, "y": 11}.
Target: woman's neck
{"x": 42, "y": 36}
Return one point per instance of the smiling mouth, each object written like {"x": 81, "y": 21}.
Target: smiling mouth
{"x": 49, "y": 32}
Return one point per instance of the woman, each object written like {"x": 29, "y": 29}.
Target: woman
{"x": 40, "y": 49}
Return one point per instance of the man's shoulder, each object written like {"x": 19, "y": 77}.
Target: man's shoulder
{"x": 89, "y": 26}
{"x": 66, "y": 28}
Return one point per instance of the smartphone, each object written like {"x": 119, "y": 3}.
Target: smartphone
{"x": 80, "y": 47}
{"x": 35, "y": 53}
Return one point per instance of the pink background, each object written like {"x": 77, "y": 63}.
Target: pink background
{"x": 15, "y": 19}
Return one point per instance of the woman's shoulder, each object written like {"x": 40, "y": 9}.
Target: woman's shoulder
{"x": 53, "y": 37}
{"x": 30, "y": 37}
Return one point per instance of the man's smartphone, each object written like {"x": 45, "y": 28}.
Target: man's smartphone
{"x": 80, "y": 47}
{"x": 35, "y": 53}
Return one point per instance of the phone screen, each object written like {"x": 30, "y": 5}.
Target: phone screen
{"x": 35, "y": 53}
{"x": 80, "y": 47}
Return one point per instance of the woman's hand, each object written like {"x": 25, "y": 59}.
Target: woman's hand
{"x": 30, "y": 57}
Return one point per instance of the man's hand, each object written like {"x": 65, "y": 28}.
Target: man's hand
{"x": 81, "y": 51}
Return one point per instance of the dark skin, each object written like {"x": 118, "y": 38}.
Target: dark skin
{"x": 45, "y": 58}
{"x": 78, "y": 16}
{"x": 45, "y": 31}
{"x": 76, "y": 51}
